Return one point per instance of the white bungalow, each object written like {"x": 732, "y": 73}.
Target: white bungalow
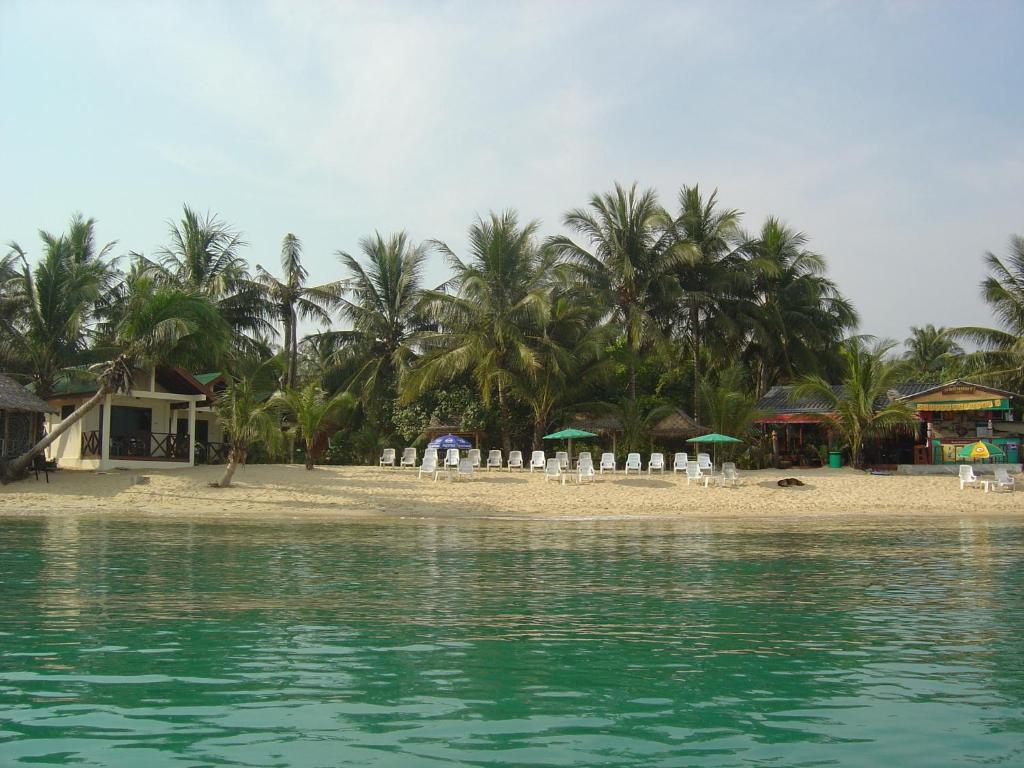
{"x": 164, "y": 423}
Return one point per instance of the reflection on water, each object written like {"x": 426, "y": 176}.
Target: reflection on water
{"x": 489, "y": 643}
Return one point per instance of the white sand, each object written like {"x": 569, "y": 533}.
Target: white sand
{"x": 289, "y": 491}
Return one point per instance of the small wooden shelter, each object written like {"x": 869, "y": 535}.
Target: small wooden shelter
{"x": 21, "y": 418}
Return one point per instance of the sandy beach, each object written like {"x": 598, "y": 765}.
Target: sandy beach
{"x": 291, "y": 491}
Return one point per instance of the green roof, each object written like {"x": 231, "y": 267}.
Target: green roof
{"x": 206, "y": 378}
{"x": 76, "y": 386}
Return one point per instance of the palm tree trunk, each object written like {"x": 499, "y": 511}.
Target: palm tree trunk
{"x": 538, "y": 432}
{"x": 19, "y": 465}
{"x": 504, "y": 417}
{"x": 287, "y": 321}
{"x": 235, "y": 457}
{"x": 294, "y": 359}
{"x": 695, "y": 343}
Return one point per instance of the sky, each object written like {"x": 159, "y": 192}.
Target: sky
{"x": 891, "y": 133}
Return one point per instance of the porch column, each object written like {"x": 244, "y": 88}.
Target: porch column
{"x": 192, "y": 432}
{"x": 105, "y": 437}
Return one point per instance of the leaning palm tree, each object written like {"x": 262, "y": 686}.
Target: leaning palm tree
{"x": 711, "y": 270}
{"x": 249, "y": 419}
{"x": 1001, "y": 354}
{"x": 162, "y": 325}
{"x": 861, "y": 407}
{"x": 292, "y": 299}
{"x": 628, "y": 261}
{"x": 500, "y": 298}
{"x": 382, "y": 304}
{"x": 313, "y": 414}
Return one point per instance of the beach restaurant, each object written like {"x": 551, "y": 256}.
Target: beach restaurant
{"x": 950, "y": 416}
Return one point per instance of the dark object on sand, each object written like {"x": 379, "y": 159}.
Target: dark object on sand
{"x": 788, "y": 481}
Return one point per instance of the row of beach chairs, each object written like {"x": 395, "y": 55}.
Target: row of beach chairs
{"x": 1003, "y": 480}
{"x": 558, "y": 467}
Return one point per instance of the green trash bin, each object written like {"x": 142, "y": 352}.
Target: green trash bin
{"x": 835, "y": 459}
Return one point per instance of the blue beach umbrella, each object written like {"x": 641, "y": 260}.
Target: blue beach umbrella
{"x": 450, "y": 441}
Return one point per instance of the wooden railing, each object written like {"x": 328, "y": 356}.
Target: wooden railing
{"x": 153, "y": 446}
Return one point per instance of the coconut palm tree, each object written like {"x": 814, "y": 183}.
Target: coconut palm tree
{"x": 248, "y": 418}
{"x": 861, "y": 407}
{"x": 1001, "y": 354}
{"x": 48, "y": 311}
{"x": 570, "y": 351}
{"x": 292, "y": 299}
{"x": 793, "y": 315}
{"x": 930, "y": 351}
{"x": 314, "y": 415}
{"x": 203, "y": 256}
{"x": 382, "y": 303}
{"x": 500, "y": 298}
{"x": 161, "y": 325}
{"x": 628, "y": 262}
{"x": 710, "y": 270}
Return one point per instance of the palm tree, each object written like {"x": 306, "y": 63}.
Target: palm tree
{"x": 162, "y": 325}
{"x": 710, "y": 270}
{"x": 729, "y": 406}
{"x": 930, "y": 351}
{"x": 501, "y": 297}
{"x": 570, "y": 354}
{"x": 48, "y": 310}
{"x": 248, "y": 419}
{"x": 629, "y": 263}
{"x": 313, "y": 413}
{"x": 795, "y": 315}
{"x": 1001, "y": 354}
{"x": 293, "y": 299}
{"x": 383, "y": 305}
{"x": 203, "y": 256}
{"x": 861, "y": 407}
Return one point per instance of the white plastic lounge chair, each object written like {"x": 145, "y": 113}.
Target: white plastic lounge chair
{"x": 694, "y": 473}
{"x": 553, "y": 471}
{"x": 429, "y": 466}
{"x": 466, "y": 469}
{"x": 656, "y": 464}
{"x": 730, "y": 474}
{"x": 430, "y": 452}
{"x": 633, "y": 462}
{"x": 704, "y": 462}
{"x": 563, "y": 459}
{"x": 474, "y": 456}
{"x": 584, "y": 455}
{"x": 408, "y": 458}
{"x": 515, "y": 460}
{"x": 967, "y": 476}
{"x": 679, "y": 462}
{"x": 585, "y": 469}
{"x": 536, "y": 460}
{"x": 494, "y": 460}
{"x": 451, "y": 459}
{"x": 1003, "y": 480}
{"x": 607, "y": 462}
{"x": 388, "y": 458}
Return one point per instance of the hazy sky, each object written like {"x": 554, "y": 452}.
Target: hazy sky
{"x": 891, "y": 132}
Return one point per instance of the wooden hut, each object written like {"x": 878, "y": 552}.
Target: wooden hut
{"x": 21, "y": 418}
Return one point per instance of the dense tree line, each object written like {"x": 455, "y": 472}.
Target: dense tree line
{"x": 635, "y": 310}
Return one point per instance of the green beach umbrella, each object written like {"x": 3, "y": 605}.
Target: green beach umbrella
{"x": 715, "y": 438}
{"x": 569, "y": 434}
{"x": 980, "y": 450}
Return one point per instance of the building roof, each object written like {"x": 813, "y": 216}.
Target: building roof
{"x": 677, "y": 424}
{"x": 206, "y": 379}
{"x": 779, "y": 399}
{"x": 174, "y": 379}
{"x": 599, "y": 425}
{"x": 14, "y": 397}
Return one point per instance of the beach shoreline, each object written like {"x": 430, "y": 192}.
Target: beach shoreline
{"x": 350, "y": 492}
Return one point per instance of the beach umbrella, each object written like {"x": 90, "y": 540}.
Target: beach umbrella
{"x": 450, "y": 441}
{"x": 569, "y": 434}
{"x": 979, "y": 450}
{"x": 715, "y": 438}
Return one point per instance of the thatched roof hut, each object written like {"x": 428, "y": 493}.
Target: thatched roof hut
{"x": 21, "y": 414}
{"x": 677, "y": 425}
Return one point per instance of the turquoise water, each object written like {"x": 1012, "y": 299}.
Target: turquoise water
{"x": 487, "y": 643}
